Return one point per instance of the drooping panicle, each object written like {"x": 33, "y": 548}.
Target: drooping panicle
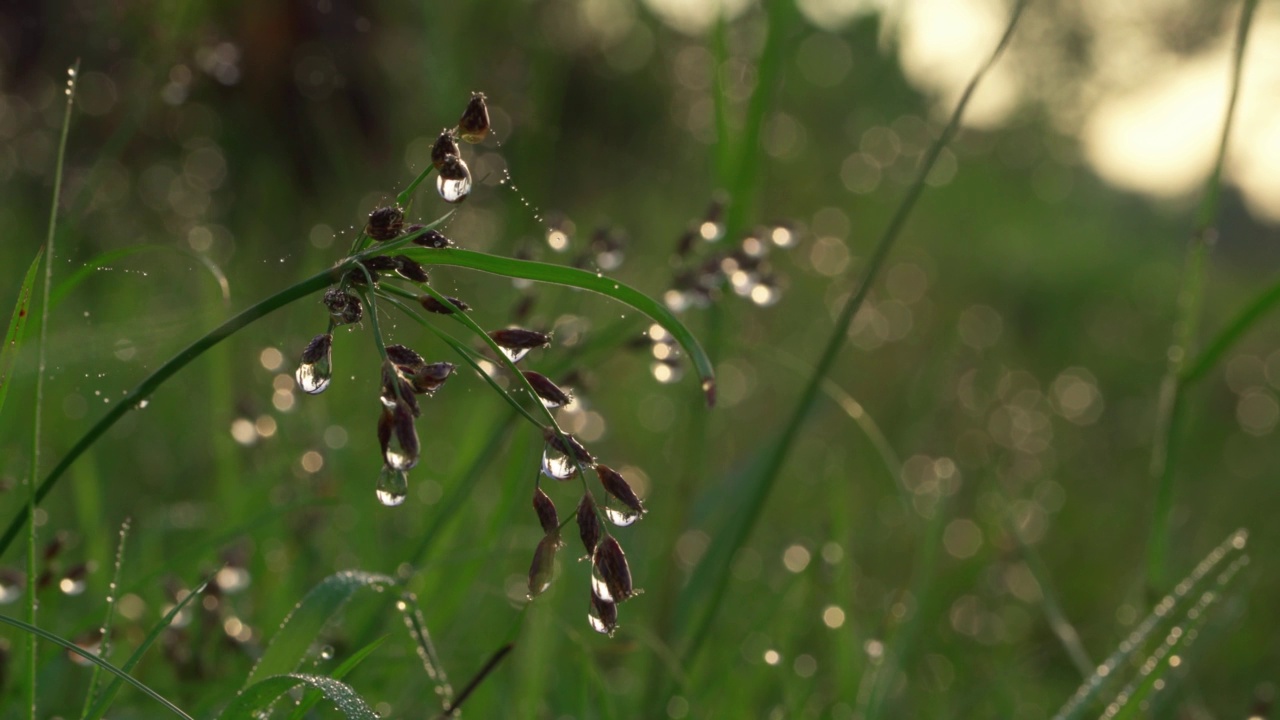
{"x": 618, "y": 487}
{"x": 404, "y": 357}
{"x": 398, "y": 437}
{"x": 397, "y": 390}
{"x": 385, "y": 223}
{"x": 546, "y": 510}
{"x": 589, "y": 524}
{"x": 611, "y": 565}
{"x": 315, "y": 371}
{"x": 473, "y": 126}
{"x": 551, "y": 394}
{"x": 568, "y": 445}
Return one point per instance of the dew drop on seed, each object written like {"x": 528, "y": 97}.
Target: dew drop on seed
{"x": 398, "y": 457}
{"x": 312, "y": 378}
{"x": 453, "y": 190}
{"x": 556, "y": 465}
{"x": 515, "y": 355}
{"x": 393, "y": 486}
{"x": 599, "y": 586}
{"x": 597, "y": 624}
{"x": 621, "y": 518}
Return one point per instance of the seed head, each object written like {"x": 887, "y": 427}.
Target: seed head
{"x": 406, "y": 358}
{"x": 589, "y": 524}
{"x": 473, "y": 126}
{"x": 568, "y": 445}
{"x": 520, "y": 339}
{"x": 546, "y": 510}
{"x": 385, "y": 223}
{"x": 547, "y": 390}
{"x": 611, "y": 564}
{"x": 344, "y": 308}
{"x": 397, "y": 390}
{"x": 398, "y": 436}
{"x": 430, "y": 304}
{"x": 428, "y": 378}
{"x": 378, "y": 264}
{"x": 410, "y": 269}
{"x": 618, "y": 487}
{"x": 445, "y": 146}
{"x": 603, "y": 614}
{"x": 542, "y": 569}
{"x": 316, "y": 368}
{"x": 431, "y": 238}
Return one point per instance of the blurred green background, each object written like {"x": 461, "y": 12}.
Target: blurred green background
{"x": 1010, "y": 353}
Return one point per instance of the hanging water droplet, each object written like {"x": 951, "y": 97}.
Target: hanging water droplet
{"x": 621, "y": 518}
{"x": 602, "y": 615}
{"x": 557, "y": 465}
{"x": 72, "y": 585}
{"x": 393, "y": 486}
{"x": 398, "y": 437}
{"x": 515, "y": 355}
{"x": 326, "y": 652}
{"x": 316, "y": 370}
{"x": 454, "y": 180}
{"x": 600, "y": 588}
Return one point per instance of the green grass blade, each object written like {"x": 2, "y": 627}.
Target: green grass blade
{"x": 1190, "y": 296}
{"x": 1169, "y": 607}
{"x": 313, "y": 696}
{"x": 93, "y": 658}
{"x": 113, "y": 594}
{"x": 288, "y": 648}
{"x": 104, "y": 260}
{"x": 573, "y": 277}
{"x": 108, "y": 694}
{"x": 416, "y": 624}
{"x": 17, "y": 327}
{"x": 1208, "y": 359}
{"x": 262, "y": 693}
{"x": 706, "y": 589}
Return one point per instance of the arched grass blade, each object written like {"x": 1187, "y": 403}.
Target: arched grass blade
{"x": 1262, "y": 305}
{"x": 17, "y": 328}
{"x": 298, "y": 632}
{"x": 573, "y": 277}
{"x": 264, "y": 692}
{"x": 313, "y": 696}
{"x": 93, "y": 658}
{"x": 1170, "y": 607}
{"x": 108, "y": 694}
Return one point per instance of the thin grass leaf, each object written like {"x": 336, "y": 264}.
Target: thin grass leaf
{"x": 1252, "y": 313}
{"x": 288, "y": 648}
{"x": 313, "y": 696}
{"x": 702, "y": 596}
{"x": 93, "y": 658}
{"x": 17, "y": 327}
{"x": 104, "y": 260}
{"x": 264, "y": 692}
{"x": 451, "y": 708}
{"x": 113, "y": 594}
{"x": 109, "y": 693}
{"x": 1169, "y": 409}
{"x": 417, "y": 627}
{"x": 573, "y": 277}
{"x": 1169, "y": 607}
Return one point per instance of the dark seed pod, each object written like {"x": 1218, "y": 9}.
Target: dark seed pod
{"x": 430, "y": 304}
{"x": 611, "y": 564}
{"x": 343, "y": 307}
{"x": 385, "y": 223}
{"x": 379, "y": 263}
{"x": 353, "y": 312}
{"x": 617, "y": 486}
{"x": 589, "y": 524}
{"x": 547, "y": 390}
{"x": 318, "y": 349}
{"x": 546, "y": 510}
{"x": 398, "y": 437}
{"x": 603, "y": 615}
{"x": 542, "y": 569}
{"x": 404, "y": 357}
{"x": 473, "y": 126}
{"x": 520, "y": 339}
{"x": 394, "y": 382}
{"x": 445, "y": 146}
{"x": 410, "y": 269}
{"x": 568, "y": 445}
{"x": 428, "y": 378}
{"x": 432, "y": 239}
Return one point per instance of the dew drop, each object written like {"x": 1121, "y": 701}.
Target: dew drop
{"x": 515, "y": 355}
{"x": 72, "y": 586}
{"x": 11, "y": 583}
{"x": 556, "y": 465}
{"x": 326, "y": 652}
{"x": 597, "y": 624}
{"x": 454, "y": 190}
{"x": 313, "y": 378}
{"x": 393, "y": 486}
{"x": 621, "y": 518}
{"x": 709, "y": 389}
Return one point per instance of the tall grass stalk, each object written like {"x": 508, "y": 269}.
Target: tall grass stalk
{"x": 1169, "y": 412}
{"x": 37, "y": 420}
{"x": 714, "y": 579}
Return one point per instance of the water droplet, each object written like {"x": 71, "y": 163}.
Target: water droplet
{"x": 11, "y": 583}
{"x": 515, "y": 355}
{"x": 141, "y": 404}
{"x": 709, "y": 389}
{"x": 393, "y": 486}
{"x": 316, "y": 370}
{"x": 326, "y": 652}
{"x": 457, "y": 186}
{"x": 72, "y": 585}
{"x": 557, "y": 465}
{"x": 621, "y": 518}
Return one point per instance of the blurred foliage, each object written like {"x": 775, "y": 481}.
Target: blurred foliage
{"x": 1011, "y": 355}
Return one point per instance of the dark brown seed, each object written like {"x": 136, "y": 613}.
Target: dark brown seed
{"x": 406, "y": 434}
{"x": 543, "y": 567}
{"x": 454, "y": 168}
{"x": 588, "y": 524}
{"x": 617, "y": 486}
{"x": 335, "y": 301}
{"x": 605, "y": 612}
{"x": 317, "y": 349}
{"x": 547, "y": 390}
{"x": 432, "y": 239}
{"x": 611, "y": 564}
{"x": 520, "y": 339}
{"x": 430, "y": 304}
{"x": 379, "y": 263}
{"x": 428, "y": 378}
{"x": 393, "y": 381}
{"x": 445, "y": 146}
{"x": 546, "y": 510}
{"x": 385, "y": 223}
{"x": 411, "y": 269}
{"x": 568, "y": 445}
{"x": 473, "y": 126}
{"x": 404, "y": 357}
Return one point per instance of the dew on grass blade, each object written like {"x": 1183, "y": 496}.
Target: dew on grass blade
{"x": 393, "y": 486}
{"x": 316, "y": 370}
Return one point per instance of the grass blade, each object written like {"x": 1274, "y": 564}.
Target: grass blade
{"x": 93, "y": 658}
{"x": 104, "y": 700}
{"x": 113, "y": 593}
{"x": 313, "y": 696}
{"x": 1267, "y": 301}
{"x": 17, "y": 327}
{"x": 288, "y": 648}
{"x": 451, "y": 708}
{"x": 262, "y": 693}
{"x": 417, "y": 626}
{"x": 706, "y": 589}
{"x": 573, "y": 277}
